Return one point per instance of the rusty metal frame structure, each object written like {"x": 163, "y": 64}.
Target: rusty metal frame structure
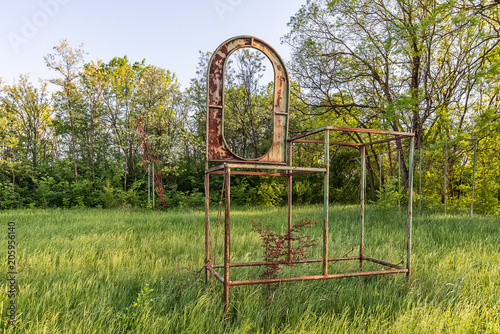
{"x": 278, "y": 161}
{"x": 150, "y": 159}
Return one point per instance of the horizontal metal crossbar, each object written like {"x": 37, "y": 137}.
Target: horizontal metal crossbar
{"x": 317, "y": 277}
{"x": 253, "y": 166}
{"x": 396, "y": 269}
{"x": 250, "y": 264}
{"x": 249, "y": 160}
{"x": 344, "y": 129}
{"x": 322, "y": 142}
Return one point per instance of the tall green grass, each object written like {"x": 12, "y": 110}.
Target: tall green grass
{"x": 99, "y": 271}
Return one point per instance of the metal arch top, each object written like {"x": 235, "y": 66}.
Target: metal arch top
{"x": 217, "y": 148}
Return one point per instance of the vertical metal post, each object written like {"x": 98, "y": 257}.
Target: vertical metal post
{"x": 290, "y": 203}
{"x": 362, "y": 202}
{"x": 154, "y": 186}
{"x": 326, "y": 200}
{"x": 227, "y": 237}
{"x": 420, "y": 183}
{"x": 473, "y": 179}
{"x": 409, "y": 218}
{"x": 380, "y": 172}
{"x": 207, "y": 222}
{"x": 399, "y": 180}
{"x": 149, "y": 185}
{"x": 445, "y": 173}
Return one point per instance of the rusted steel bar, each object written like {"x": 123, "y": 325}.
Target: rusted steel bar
{"x": 207, "y": 223}
{"x": 380, "y": 172}
{"x": 326, "y": 202}
{"x": 227, "y": 237}
{"x": 344, "y": 129}
{"x": 445, "y": 174}
{"x": 331, "y": 143}
{"x": 318, "y": 277}
{"x": 301, "y": 173}
{"x": 250, "y": 166}
{"x": 250, "y": 160}
{"x": 362, "y": 204}
{"x": 399, "y": 180}
{"x": 384, "y": 263}
{"x": 214, "y": 168}
{"x": 292, "y": 168}
{"x": 382, "y": 132}
{"x": 216, "y": 274}
{"x": 306, "y": 134}
{"x": 409, "y": 218}
{"x": 385, "y": 140}
{"x": 264, "y": 173}
{"x": 254, "y": 264}
{"x": 153, "y": 170}
{"x": 290, "y": 164}
{"x": 251, "y": 173}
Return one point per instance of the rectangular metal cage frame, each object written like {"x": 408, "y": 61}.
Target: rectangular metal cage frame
{"x": 288, "y": 170}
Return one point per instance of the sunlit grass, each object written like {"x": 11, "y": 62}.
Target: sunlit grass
{"x": 82, "y": 271}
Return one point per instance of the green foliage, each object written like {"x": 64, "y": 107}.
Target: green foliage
{"x": 110, "y": 196}
{"x": 388, "y": 195}
{"x": 268, "y": 193}
{"x": 139, "y": 311}
{"x": 262, "y": 191}
{"x": 248, "y": 113}
{"x": 180, "y": 199}
{"x": 486, "y": 198}
{"x": 302, "y": 191}
{"x": 46, "y": 192}
{"x": 79, "y": 147}
{"x": 10, "y": 198}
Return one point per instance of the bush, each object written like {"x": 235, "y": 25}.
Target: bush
{"x": 388, "y": 194}
{"x": 110, "y": 196}
{"x": 10, "y": 197}
{"x": 486, "y": 197}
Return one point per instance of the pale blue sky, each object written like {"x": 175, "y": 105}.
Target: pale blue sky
{"x": 167, "y": 33}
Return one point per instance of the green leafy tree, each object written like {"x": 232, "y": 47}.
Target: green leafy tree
{"x": 67, "y": 62}
{"x": 8, "y": 137}
{"x": 30, "y": 111}
{"x": 398, "y": 65}
{"x": 120, "y": 82}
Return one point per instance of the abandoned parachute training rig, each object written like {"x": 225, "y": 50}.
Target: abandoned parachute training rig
{"x": 278, "y": 161}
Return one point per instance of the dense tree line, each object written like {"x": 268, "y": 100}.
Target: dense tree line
{"x": 427, "y": 67}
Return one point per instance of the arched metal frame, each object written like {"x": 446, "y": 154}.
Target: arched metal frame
{"x": 217, "y": 148}
{"x": 278, "y": 162}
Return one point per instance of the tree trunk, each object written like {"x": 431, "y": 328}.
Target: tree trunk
{"x": 13, "y": 174}
{"x": 72, "y": 124}
{"x": 126, "y": 172}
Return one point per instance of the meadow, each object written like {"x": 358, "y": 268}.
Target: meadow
{"x": 133, "y": 271}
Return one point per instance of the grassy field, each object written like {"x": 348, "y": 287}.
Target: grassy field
{"x": 99, "y": 271}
